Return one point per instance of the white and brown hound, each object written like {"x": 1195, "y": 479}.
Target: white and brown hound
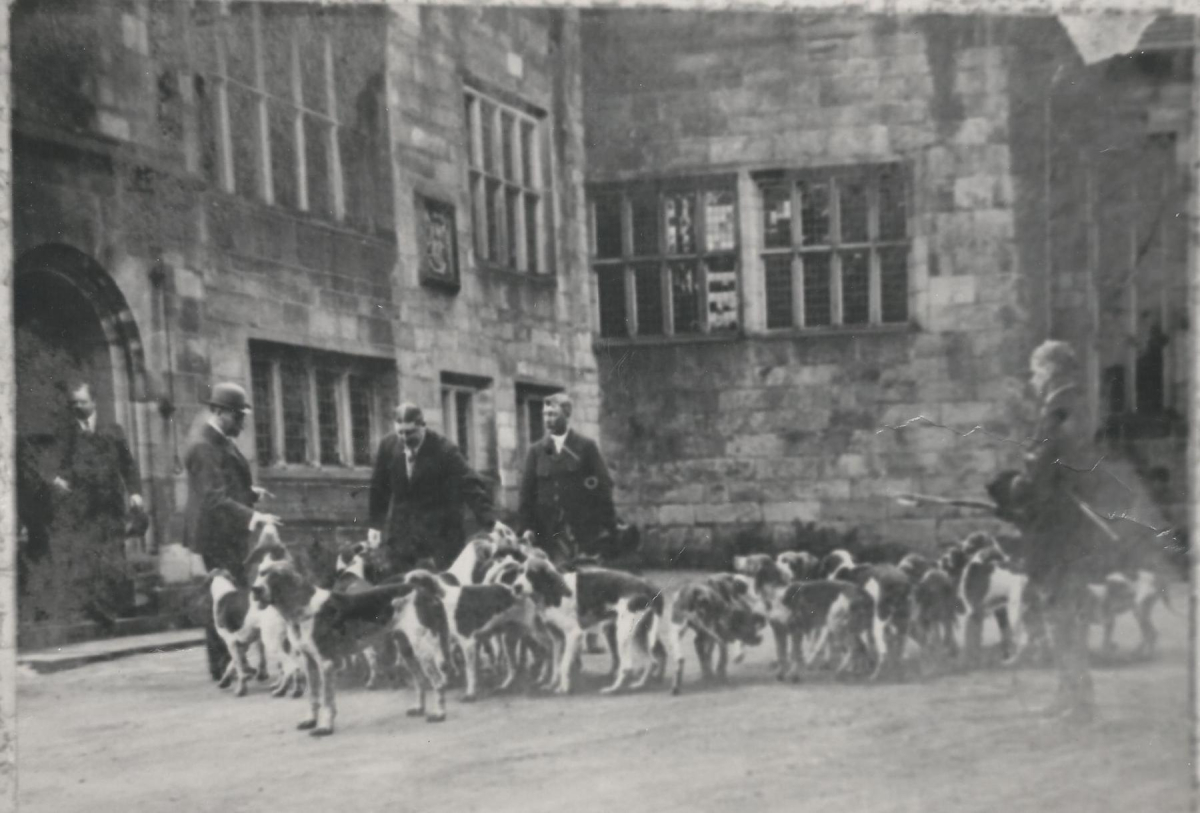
{"x": 325, "y": 626}
{"x": 477, "y": 612}
{"x": 717, "y": 612}
{"x": 590, "y": 600}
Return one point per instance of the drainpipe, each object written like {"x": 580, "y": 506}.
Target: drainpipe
{"x": 166, "y": 403}
{"x": 1047, "y": 120}
{"x": 1193, "y": 450}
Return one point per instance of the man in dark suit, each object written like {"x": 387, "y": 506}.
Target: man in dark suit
{"x": 97, "y": 480}
{"x": 220, "y": 515}
{"x": 420, "y": 486}
{"x": 566, "y": 491}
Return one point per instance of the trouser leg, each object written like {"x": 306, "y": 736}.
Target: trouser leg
{"x": 1075, "y": 694}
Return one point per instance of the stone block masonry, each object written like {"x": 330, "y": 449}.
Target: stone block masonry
{"x": 778, "y": 428}
{"x": 118, "y": 159}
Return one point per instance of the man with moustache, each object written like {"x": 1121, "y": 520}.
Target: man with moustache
{"x": 220, "y": 515}
{"x": 98, "y": 482}
{"x": 419, "y": 488}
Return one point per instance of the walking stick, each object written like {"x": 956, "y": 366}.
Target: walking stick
{"x": 910, "y": 500}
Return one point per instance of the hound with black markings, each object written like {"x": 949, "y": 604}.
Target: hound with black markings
{"x": 591, "y": 599}
{"x": 933, "y": 615}
{"x": 838, "y": 614}
{"x": 769, "y": 583}
{"x": 991, "y": 586}
{"x": 420, "y": 624}
{"x": 236, "y": 617}
{"x": 325, "y": 626}
{"x": 888, "y": 587}
{"x": 834, "y": 563}
{"x": 801, "y": 565}
{"x": 1134, "y": 593}
{"x": 355, "y": 575}
{"x": 715, "y": 613}
{"x": 476, "y": 612}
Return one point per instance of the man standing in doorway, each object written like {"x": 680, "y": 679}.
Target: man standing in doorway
{"x": 220, "y": 516}
{"x": 418, "y": 491}
{"x": 97, "y": 480}
{"x": 566, "y": 491}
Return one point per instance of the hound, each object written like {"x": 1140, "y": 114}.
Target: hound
{"x": 475, "y": 612}
{"x": 715, "y": 618}
{"x": 325, "y": 625}
{"x": 591, "y": 599}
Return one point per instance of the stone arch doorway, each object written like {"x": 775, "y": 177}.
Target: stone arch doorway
{"x": 70, "y": 322}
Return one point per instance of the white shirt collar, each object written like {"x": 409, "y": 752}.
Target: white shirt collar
{"x": 89, "y": 425}
{"x": 560, "y": 440}
{"x": 212, "y": 421}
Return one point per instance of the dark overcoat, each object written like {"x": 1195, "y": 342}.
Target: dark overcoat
{"x": 565, "y": 490}
{"x": 100, "y": 470}
{"x": 1059, "y": 499}
{"x": 422, "y": 516}
{"x": 220, "y": 500}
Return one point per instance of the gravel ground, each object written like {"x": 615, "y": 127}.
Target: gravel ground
{"x": 151, "y": 733}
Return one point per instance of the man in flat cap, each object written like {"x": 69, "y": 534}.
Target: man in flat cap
{"x": 566, "y": 491}
{"x": 221, "y": 496}
{"x": 418, "y": 491}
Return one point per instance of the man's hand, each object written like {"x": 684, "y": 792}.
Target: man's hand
{"x": 374, "y": 538}
{"x": 263, "y": 519}
{"x": 61, "y": 484}
{"x": 261, "y": 492}
{"x": 135, "y": 500}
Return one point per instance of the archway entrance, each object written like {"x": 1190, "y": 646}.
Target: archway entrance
{"x": 71, "y": 323}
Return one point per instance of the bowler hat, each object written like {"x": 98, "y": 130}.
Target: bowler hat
{"x": 229, "y": 396}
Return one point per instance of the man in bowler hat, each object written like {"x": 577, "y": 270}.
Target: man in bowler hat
{"x": 220, "y": 511}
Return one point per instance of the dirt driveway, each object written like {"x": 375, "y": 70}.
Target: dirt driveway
{"x": 151, "y": 733}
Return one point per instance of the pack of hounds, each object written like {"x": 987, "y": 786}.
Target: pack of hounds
{"x": 504, "y": 610}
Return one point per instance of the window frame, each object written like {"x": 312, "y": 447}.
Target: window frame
{"x": 373, "y": 371}
{"x": 835, "y": 249}
{"x": 535, "y": 264}
{"x": 298, "y": 111}
{"x": 697, "y": 187}
{"x": 455, "y": 385}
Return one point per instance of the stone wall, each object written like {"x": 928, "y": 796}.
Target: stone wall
{"x": 110, "y": 161}
{"x": 502, "y": 327}
{"x": 756, "y": 433}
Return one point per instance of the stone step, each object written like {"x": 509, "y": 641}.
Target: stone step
{"x": 71, "y": 656}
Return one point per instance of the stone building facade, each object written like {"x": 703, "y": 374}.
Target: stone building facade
{"x": 338, "y": 207}
{"x": 823, "y": 247}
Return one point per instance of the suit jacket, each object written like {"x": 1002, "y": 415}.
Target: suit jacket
{"x": 220, "y": 497}
{"x": 423, "y": 515}
{"x": 571, "y": 489}
{"x": 100, "y": 470}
